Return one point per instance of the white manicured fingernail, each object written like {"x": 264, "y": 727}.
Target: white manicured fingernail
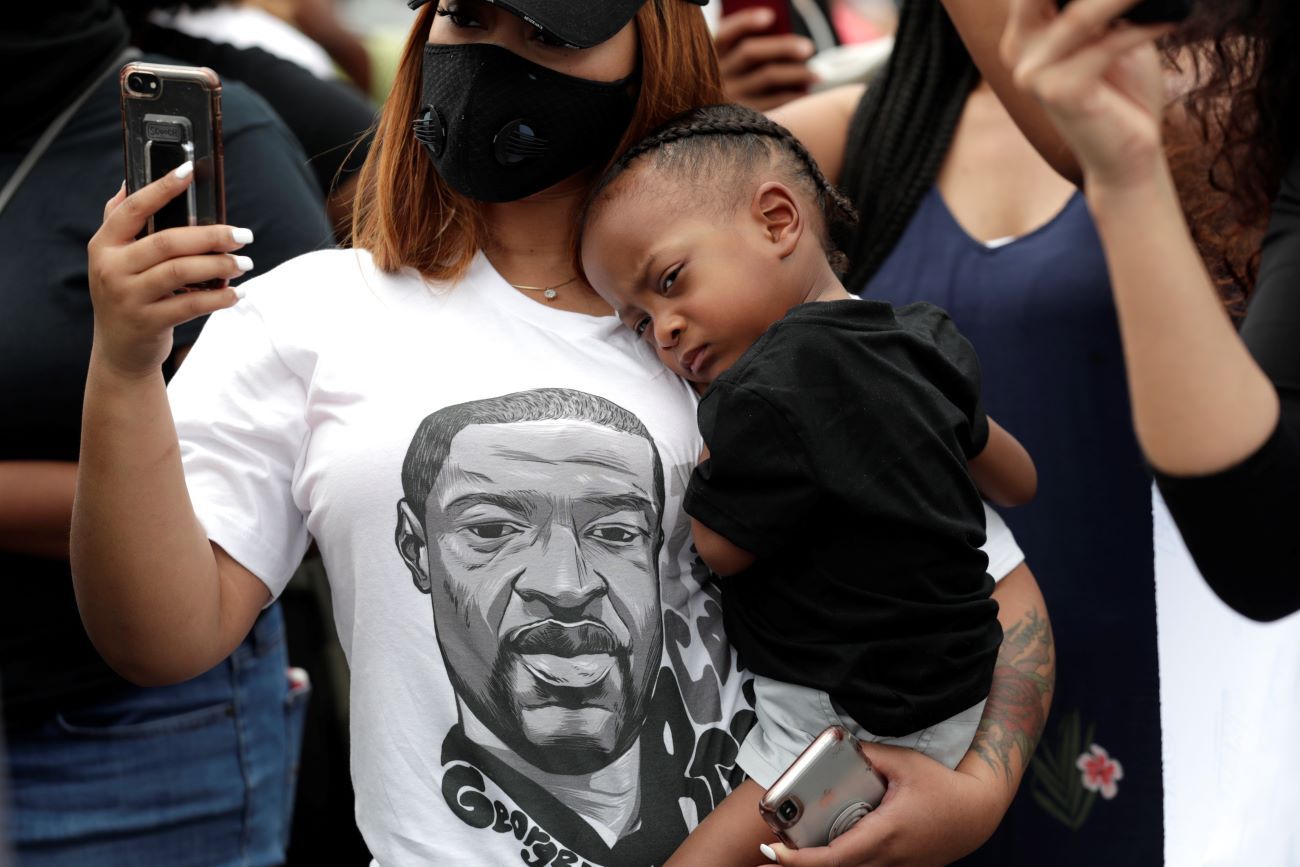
{"x": 243, "y": 263}
{"x": 241, "y": 236}
{"x": 767, "y": 851}
{"x": 184, "y": 171}
{"x": 239, "y": 292}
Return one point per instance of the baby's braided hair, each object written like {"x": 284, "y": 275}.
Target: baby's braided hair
{"x": 709, "y": 140}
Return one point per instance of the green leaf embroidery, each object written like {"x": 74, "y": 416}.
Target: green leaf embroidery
{"x": 1057, "y": 784}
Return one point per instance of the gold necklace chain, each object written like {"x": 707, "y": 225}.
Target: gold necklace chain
{"x": 548, "y": 292}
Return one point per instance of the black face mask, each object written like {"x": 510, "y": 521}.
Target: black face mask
{"x": 500, "y": 128}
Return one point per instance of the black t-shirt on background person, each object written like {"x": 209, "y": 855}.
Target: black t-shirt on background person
{"x": 838, "y": 457}
{"x": 330, "y": 119}
{"x": 46, "y": 660}
{"x": 1240, "y": 524}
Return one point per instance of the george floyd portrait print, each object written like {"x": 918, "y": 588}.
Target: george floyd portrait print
{"x": 533, "y": 523}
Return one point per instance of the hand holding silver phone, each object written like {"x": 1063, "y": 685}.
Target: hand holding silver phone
{"x": 829, "y": 788}
{"x": 171, "y": 115}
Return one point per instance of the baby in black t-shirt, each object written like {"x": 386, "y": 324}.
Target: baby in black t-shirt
{"x": 844, "y": 439}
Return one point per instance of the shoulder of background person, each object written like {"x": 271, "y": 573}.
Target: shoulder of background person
{"x": 241, "y": 107}
{"x": 821, "y": 121}
{"x": 329, "y": 119}
{"x": 293, "y": 91}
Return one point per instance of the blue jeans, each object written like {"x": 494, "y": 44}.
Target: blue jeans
{"x": 200, "y": 773}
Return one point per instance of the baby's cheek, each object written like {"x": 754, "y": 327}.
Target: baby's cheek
{"x": 670, "y": 361}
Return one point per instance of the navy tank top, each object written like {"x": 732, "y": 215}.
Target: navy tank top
{"x": 1040, "y": 314}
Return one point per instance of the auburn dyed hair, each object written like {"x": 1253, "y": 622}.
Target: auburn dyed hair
{"x": 1229, "y": 162}
{"x": 407, "y": 216}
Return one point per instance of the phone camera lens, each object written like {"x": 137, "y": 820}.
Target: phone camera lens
{"x": 788, "y": 810}
{"x": 142, "y": 83}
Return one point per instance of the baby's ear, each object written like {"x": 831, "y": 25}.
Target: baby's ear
{"x": 777, "y": 211}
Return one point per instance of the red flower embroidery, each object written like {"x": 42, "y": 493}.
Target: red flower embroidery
{"x": 1100, "y": 772}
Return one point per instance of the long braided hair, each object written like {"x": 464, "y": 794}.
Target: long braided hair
{"x": 901, "y": 132}
{"x": 715, "y": 141}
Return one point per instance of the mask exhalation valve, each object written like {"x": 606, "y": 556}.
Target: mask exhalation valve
{"x": 517, "y": 142}
{"x": 430, "y": 130}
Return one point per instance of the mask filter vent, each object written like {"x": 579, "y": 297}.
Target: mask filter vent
{"x": 429, "y": 131}
{"x": 500, "y": 128}
{"x": 517, "y": 142}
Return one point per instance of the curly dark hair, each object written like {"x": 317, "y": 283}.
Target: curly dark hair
{"x": 1245, "y": 57}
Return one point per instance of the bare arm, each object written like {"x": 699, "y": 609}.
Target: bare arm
{"x": 158, "y": 600}
{"x": 36, "y": 507}
{"x": 821, "y": 121}
{"x": 996, "y": 40}
{"x": 718, "y": 553}
{"x": 1200, "y": 402}
{"x": 1024, "y": 681}
{"x": 1004, "y": 471}
{"x": 982, "y": 25}
{"x": 932, "y": 815}
{"x": 36, "y": 502}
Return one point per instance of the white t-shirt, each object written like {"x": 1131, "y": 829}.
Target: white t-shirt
{"x": 1229, "y": 713}
{"x": 539, "y": 672}
{"x": 246, "y": 26}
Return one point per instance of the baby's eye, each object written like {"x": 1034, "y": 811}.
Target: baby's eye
{"x": 641, "y": 326}
{"x": 459, "y": 16}
{"x": 670, "y": 278}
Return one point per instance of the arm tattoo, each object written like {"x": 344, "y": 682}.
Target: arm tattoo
{"x": 1023, "y": 681}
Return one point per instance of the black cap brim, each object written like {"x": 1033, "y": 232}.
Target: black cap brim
{"x": 579, "y": 23}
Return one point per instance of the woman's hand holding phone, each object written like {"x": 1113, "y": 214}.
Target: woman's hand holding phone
{"x": 136, "y": 282}
{"x": 930, "y": 816}
{"x": 1098, "y": 78}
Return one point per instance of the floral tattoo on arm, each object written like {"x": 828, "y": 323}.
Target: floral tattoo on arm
{"x": 1023, "y": 681}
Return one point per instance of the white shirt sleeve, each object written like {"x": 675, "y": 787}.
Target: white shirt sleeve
{"x": 1000, "y": 545}
{"x": 240, "y": 414}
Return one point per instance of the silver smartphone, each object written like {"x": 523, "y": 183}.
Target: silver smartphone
{"x": 824, "y": 792}
{"x": 172, "y": 115}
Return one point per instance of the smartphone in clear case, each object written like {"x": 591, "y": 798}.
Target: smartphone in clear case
{"x": 172, "y": 115}
{"x": 829, "y": 788}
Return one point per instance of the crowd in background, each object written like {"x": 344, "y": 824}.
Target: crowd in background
{"x": 1105, "y": 212}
